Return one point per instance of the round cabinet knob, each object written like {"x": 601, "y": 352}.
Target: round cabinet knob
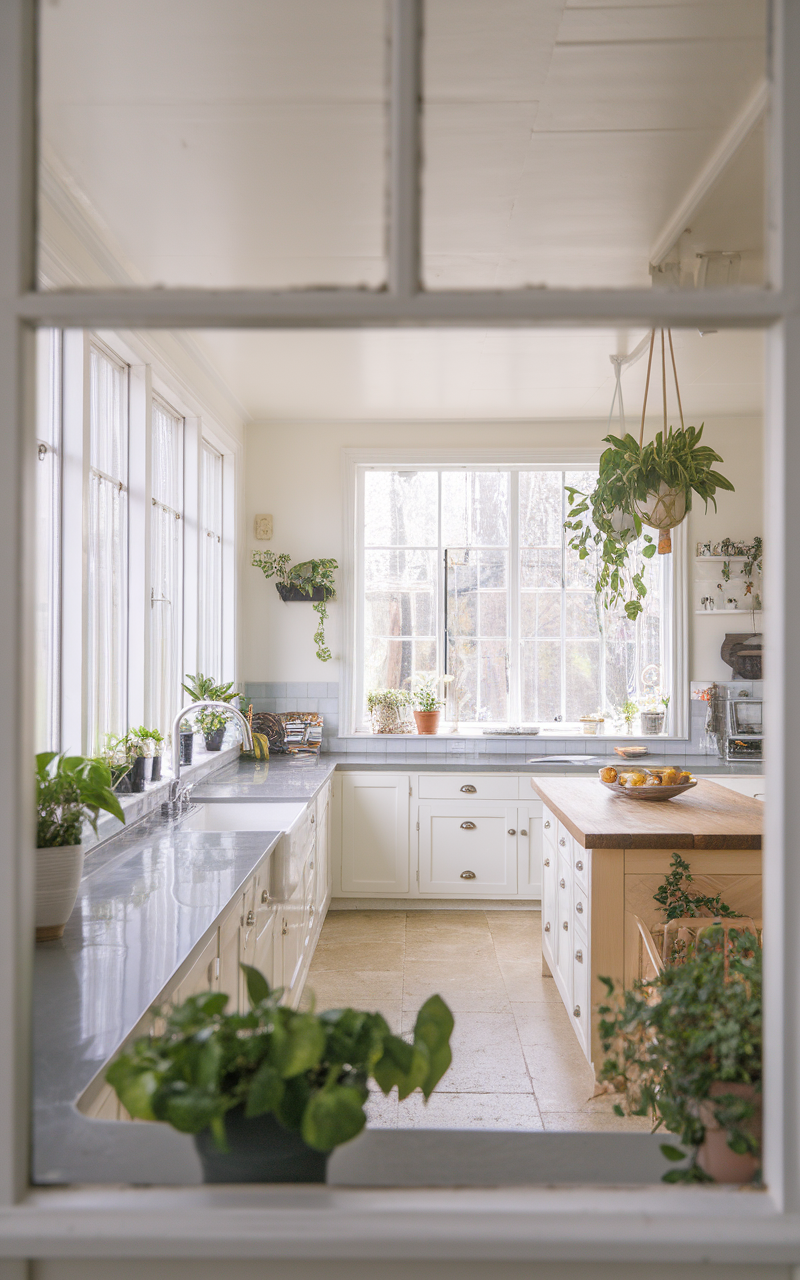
{"x": 313, "y": 819}
{"x": 468, "y": 875}
{"x": 251, "y": 917}
{"x": 579, "y": 865}
{"x": 563, "y": 883}
{"x": 579, "y": 957}
{"x": 579, "y": 908}
{"x": 562, "y": 842}
{"x": 512, "y": 831}
{"x": 576, "y": 1012}
{"x": 547, "y": 826}
{"x": 285, "y": 929}
{"x": 523, "y": 832}
{"x": 565, "y": 926}
{"x": 467, "y": 826}
{"x": 468, "y": 787}
{"x": 265, "y": 895}
{"x": 547, "y": 862}
{"x": 547, "y": 927}
{"x": 311, "y": 865}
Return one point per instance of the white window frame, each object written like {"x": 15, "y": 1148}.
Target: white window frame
{"x": 178, "y": 604}
{"x": 358, "y": 461}
{"x": 49, "y": 447}
{"x": 642, "y": 1225}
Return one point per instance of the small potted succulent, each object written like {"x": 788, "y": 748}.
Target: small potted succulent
{"x": 269, "y": 1093}
{"x": 70, "y": 790}
{"x": 427, "y": 705}
{"x": 213, "y": 722}
{"x": 389, "y": 710}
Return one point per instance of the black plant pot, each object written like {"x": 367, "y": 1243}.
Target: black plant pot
{"x": 214, "y": 740}
{"x": 294, "y": 593}
{"x": 155, "y": 772}
{"x": 123, "y": 785}
{"x": 259, "y": 1150}
{"x": 187, "y": 747}
{"x": 136, "y": 774}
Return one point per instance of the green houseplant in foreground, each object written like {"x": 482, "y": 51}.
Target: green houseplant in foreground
{"x": 269, "y": 1093}
{"x": 310, "y": 578}
{"x": 70, "y": 790}
{"x": 685, "y": 1050}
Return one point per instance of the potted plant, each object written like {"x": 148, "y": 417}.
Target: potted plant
{"x": 388, "y": 709}
{"x": 310, "y": 580}
{"x": 269, "y": 1093}
{"x": 70, "y": 790}
{"x": 639, "y": 485}
{"x": 158, "y": 743}
{"x": 629, "y": 711}
{"x": 685, "y": 1049}
{"x": 427, "y": 706}
{"x": 187, "y": 742}
{"x": 148, "y": 743}
{"x": 212, "y": 722}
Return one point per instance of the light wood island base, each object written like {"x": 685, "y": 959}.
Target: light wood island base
{"x": 603, "y": 859}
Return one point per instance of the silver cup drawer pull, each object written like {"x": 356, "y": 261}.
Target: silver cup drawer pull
{"x": 468, "y": 787}
{"x": 467, "y": 826}
{"x": 468, "y": 875}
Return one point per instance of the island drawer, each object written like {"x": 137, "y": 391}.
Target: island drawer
{"x": 580, "y": 861}
{"x": 449, "y": 786}
{"x": 549, "y": 827}
{"x": 580, "y": 1007}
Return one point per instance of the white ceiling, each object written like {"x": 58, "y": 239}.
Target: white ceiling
{"x": 241, "y": 143}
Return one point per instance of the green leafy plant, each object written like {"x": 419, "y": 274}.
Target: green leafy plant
{"x": 668, "y": 1042}
{"x": 71, "y": 790}
{"x": 676, "y": 899}
{"x": 309, "y": 1070}
{"x": 629, "y": 711}
{"x": 202, "y": 688}
{"x": 143, "y": 741}
{"x": 607, "y": 522}
{"x": 306, "y": 577}
{"x": 425, "y": 696}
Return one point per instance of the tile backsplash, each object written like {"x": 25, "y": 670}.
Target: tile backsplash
{"x": 316, "y": 695}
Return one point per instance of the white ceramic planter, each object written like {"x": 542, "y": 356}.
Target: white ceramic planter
{"x": 58, "y": 878}
{"x": 663, "y": 510}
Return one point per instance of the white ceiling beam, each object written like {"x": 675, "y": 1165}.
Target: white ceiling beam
{"x": 353, "y": 309}
{"x": 403, "y": 205}
{"x": 727, "y": 148}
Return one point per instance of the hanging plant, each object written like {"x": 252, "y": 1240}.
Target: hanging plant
{"x": 310, "y": 580}
{"x": 641, "y": 484}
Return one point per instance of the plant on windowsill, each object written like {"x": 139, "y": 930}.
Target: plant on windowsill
{"x": 149, "y": 744}
{"x": 310, "y": 580}
{"x": 70, "y": 790}
{"x": 211, "y": 723}
{"x": 389, "y": 710}
{"x": 629, "y": 711}
{"x": 685, "y": 1050}
{"x": 427, "y": 705}
{"x": 269, "y": 1093}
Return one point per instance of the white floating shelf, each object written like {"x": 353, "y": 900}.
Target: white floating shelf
{"x": 743, "y": 613}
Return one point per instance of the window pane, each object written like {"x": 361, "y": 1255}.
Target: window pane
{"x": 401, "y": 508}
{"x": 541, "y": 680}
{"x": 48, "y": 541}
{"x": 209, "y": 625}
{"x": 399, "y": 617}
{"x": 166, "y": 588}
{"x": 107, "y": 578}
{"x": 475, "y": 508}
{"x": 540, "y": 499}
{"x": 582, "y": 691}
{"x": 395, "y": 663}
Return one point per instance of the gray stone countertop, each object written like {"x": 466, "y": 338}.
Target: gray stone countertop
{"x": 300, "y": 778}
{"x": 148, "y": 897}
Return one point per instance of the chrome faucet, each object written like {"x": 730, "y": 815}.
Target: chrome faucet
{"x": 179, "y": 795}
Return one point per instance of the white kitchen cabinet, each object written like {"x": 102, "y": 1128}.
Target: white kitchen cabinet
{"x": 530, "y": 836}
{"x": 322, "y": 853}
{"x": 468, "y": 850}
{"x": 202, "y": 976}
{"x": 231, "y": 953}
{"x": 457, "y": 786}
{"x": 753, "y": 786}
{"x": 375, "y": 834}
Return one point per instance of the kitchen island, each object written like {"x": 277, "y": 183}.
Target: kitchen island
{"x": 604, "y": 857}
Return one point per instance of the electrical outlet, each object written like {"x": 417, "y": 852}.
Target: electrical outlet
{"x": 262, "y": 528}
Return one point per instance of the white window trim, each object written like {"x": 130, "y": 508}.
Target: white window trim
{"x": 637, "y": 1225}
{"x": 354, "y": 464}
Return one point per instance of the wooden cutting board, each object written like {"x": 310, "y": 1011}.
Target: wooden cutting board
{"x": 707, "y": 817}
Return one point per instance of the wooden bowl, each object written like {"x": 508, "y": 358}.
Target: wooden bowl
{"x": 648, "y": 793}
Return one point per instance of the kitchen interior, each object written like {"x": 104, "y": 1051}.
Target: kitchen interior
{"x": 355, "y": 854}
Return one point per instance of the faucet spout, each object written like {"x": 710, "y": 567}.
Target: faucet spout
{"x": 175, "y": 790}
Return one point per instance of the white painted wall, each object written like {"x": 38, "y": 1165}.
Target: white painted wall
{"x": 294, "y": 473}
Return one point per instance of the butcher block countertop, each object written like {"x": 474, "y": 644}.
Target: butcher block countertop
{"x": 706, "y": 817}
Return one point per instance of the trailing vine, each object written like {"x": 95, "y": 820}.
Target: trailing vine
{"x": 305, "y": 577}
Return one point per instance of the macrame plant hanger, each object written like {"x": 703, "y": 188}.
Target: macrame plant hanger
{"x": 668, "y": 517}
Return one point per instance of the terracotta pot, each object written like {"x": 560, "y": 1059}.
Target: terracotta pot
{"x": 427, "y": 721}
{"x": 58, "y": 878}
{"x": 715, "y": 1156}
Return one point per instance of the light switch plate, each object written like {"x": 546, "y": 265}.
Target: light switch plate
{"x": 262, "y": 528}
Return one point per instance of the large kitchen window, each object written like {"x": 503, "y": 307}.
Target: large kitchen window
{"x": 166, "y": 564}
{"x": 209, "y": 626}
{"x": 466, "y": 571}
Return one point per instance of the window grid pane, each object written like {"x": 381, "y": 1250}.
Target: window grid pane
{"x": 107, "y": 579}
{"x": 209, "y": 628}
{"x": 166, "y": 584}
{"x": 48, "y": 543}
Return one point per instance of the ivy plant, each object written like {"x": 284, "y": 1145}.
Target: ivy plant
{"x": 309, "y": 1070}
{"x": 676, "y": 898}
{"x": 306, "y": 577}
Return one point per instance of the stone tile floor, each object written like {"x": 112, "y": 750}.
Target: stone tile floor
{"x": 516, "y": 1061}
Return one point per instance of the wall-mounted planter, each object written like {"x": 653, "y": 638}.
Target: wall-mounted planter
{"x": 294, "y": 593}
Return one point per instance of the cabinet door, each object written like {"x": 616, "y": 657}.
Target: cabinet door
{"x": 266, "y": 933}
{"x": 549, "y": 920}
{"x": 529, "y": 848}
{"x": 468, "y": 850}
{"x": 202, "y": 976}
{"x": 292, "y": 915}
{"x": 229, "y": 954}
{"x": 375, "y": 833}
{"x": 322, "y": 856}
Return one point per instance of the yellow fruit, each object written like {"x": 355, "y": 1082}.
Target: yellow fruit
{"x": 608, "y": 774}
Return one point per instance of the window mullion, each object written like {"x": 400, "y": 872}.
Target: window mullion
{"x": 514, "y": 607}
{"x": 563, "y": 630}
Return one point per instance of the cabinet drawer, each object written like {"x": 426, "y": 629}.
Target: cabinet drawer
{"x": 565, "y": 843}
{"x": 468, "y": 853}
{"x": 456, "y": 786}
{"x": 580, "y": 861}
